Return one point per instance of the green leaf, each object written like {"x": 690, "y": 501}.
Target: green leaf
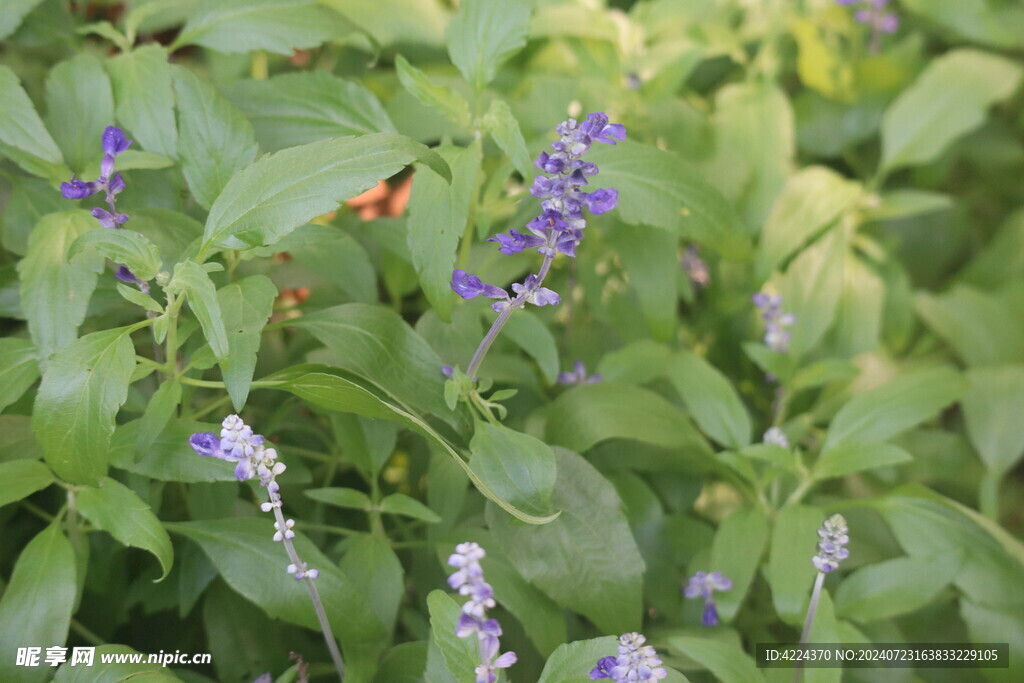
{"x": 658, "y": 188}
{"x": 931, "y": 113}
{"x": 981, "y": 328}
{"x": 246, "y": 556}
{"x": 895, "y": 587}
{"x": 445, "y": 100}
{"x": 503, "y": 127}
{"x": 726, "y": 661}
{"x": 906, "y": 203}
{"x": 461, "y": 655}
{"x": 336, "y": 393}
{"x": 79, "y": 105}
{"x": 554, "y": 556}
{"x": 850, "y": 456}
{"x": 401, "y": 504}
{"x": 38, "y": 601}
{"x": 121, "y": 246}
{"x": 299, "y": 108}
{"x": 988, "y": 22}
{"x": 18, "y": 369}
{"x": 790, "y": 572}
{"x": 246, "y": 305}
{"x": 894, "y": 407}
{"x": 811, "y": 289}
{"x": 812, "y": 199}
{"x": 518, "y": 467}
{"x": 992, "y": 413}
{"x": 115, "y": 508}
{"x": 159, "y": 411}
{"x": 572, "y": 662}
{"x": 438, "y": 212}
{"x": 169, "y": 458}
{"x": 115, "y": 671}
{"x": 280, "y": 26}
{"x": 23, "y": 138}
{"x": 341, "y": 497}
{"x": 266, "y": 201}
{"x": 380, "y": 347}
{"x": 55, "y": 293}
{"x": 14, "y": 12}
{"x": 83, "y": 387}
{"x": 711, "y": 399}
{"x": 339, "y": 259}
{"x": 483, "y": 35}
{"x": 529, "y": 333}
{"x": 215, "y": 139}
{"x": 143, "y": 97}
{"x": 651, "y": 261}
{"x": 193, "y": 280}
{"x": 377, "y": 573}
{"x": 736, "y": 552}
{"x": 592, "y": 413}
{"x": 21, "y": 478}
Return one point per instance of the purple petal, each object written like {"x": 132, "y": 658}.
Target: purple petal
{"x": 114, "y": 141}
{"x": 545, "y": 297}
{"x": 505, "y": 660}
{"x": 466, "y": 284}
{"x": 107, "y": 165}
{"x": 116, "y": 184}
{"x": 205, "y": 443}
{"x": 78, "y": 189}
{"x": 602, "y": 200}
{"x": 127, "y": 276}
{"x": 603, "y": 669}
{"x": 710, "y": 617}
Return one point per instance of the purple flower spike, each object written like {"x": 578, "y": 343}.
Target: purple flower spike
{"x": 703, "y": 585}
{"x": 469, "y": 286}
{"x": 114, "y": 141}
{"x": 776, "y": 336}
{"x": 78, "y": 189}
{"x": 833, "y": 537}
{"x": 636, "y": 662}
{"x": 469, "y": 581}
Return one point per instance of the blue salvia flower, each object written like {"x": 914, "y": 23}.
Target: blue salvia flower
{"x": 578, "y": 375}
{"x": 873, "y": 14}
{"x": 636, "y": 662}
{"x": 703, "y": 585}
{"x": 559, "y": 227}
{"x": 468, "y": 579}
{"x": 832, "y": 539}
{"x": 776, "y": 336}
{"x": 111, "y": 184}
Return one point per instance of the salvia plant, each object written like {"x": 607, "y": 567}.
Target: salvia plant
{"x": 467, "y": 341}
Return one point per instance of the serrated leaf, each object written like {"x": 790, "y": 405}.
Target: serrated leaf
{"x": 138, "y": 298}
{"x": 930, "y": 114}
{"x": 18, "y": 369}
{"x": 518, "y": 467}
{"x": 144, "y": 99}
{"x": 401, "y": 504}
{"x": 299, "y": 108}
{"x": 192, "y": 279}
{"x": 82, "y": 390}
{"x": 711, "y": 399}
{"x": 658, "y": 188}
{"x": 266, "y": 201}
{"x": 445, "y": 100}
{"x": 280, "y": 26}
{"x": 79, "y": 105}
{"x": 554, "y": 556}
{"x": 246, "y": 306}
{"x": 483, "y": 35}
{"x": 159, "y": 411}
{"x": 121, "y": 246}
{"x": 113, "y": 507}
{"x": 438, "y": 212}
{"x": 21, "y": 478}
{"x": 23, "y": 137}
{"x": 503, "y": 127}
{"x": 895, "y": 406}
{"x": 850, "y": 456}
{"x": 215, "y": 139}
{"x": 38, "y": 601}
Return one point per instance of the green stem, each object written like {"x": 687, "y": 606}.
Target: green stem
{"x": 87, "y": 635}
{"x": 811, "y": 609}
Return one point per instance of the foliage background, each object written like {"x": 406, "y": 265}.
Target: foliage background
{"x": 879, "y": 192}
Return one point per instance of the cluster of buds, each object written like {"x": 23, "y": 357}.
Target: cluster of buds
{"x": 635, "y": 662}
{"x": 468, "y": 579}
{"x": 776, "y": 336}
{"x": 832, "y": 539}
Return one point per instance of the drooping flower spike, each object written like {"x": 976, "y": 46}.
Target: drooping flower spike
{"x": 468, "y": 579}
{"x": 703, "y": 585}
{"x": 111, "y": 184}
{"x": 635, "y": 662}
{"x": 873, "y": 14}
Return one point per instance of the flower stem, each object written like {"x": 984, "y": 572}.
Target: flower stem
{"x": 314, "y": 595}
{"x": 812, "y": 607}
{"x": 499, "y": 322}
